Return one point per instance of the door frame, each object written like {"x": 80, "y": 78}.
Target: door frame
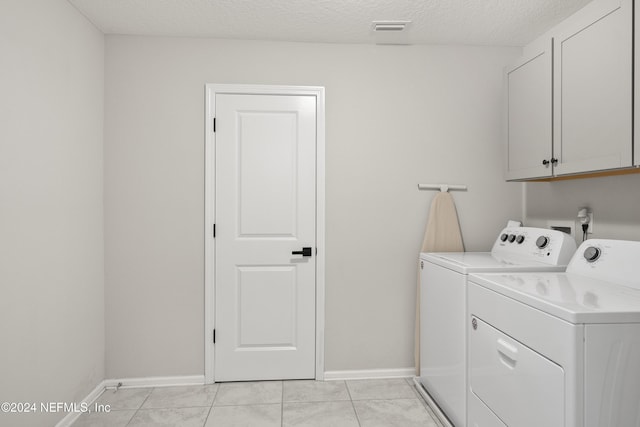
{"x": 211, "y": 90}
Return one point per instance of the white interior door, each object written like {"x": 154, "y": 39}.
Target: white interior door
{"x": 265, "y": 210}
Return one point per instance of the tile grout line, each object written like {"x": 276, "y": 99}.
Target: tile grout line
{"x": 211, "y": 407}
{"x": 353, "y": 406}
{"x": 318, "y": 401}
{"x": 177, "y": 407}
{"x": 136, "y": 413}
{"x": 207, "y": 417}
{"x": 252, "y": 404}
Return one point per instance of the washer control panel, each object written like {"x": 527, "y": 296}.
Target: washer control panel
{"x": 540, "y": 244}
{"x": 611, "y": 260}
{"x": 592, "y": 253}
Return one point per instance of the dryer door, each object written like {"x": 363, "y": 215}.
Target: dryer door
{"x": 480, "y": 416}
{"x": 520, "y": 386}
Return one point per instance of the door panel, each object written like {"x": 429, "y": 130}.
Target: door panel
{"x": 260, "y": 289}
{"x": 265, "y": 210}
{"x": 267, "y": 173}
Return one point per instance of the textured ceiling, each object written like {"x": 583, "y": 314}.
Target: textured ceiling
{"x": 475, "y": 22}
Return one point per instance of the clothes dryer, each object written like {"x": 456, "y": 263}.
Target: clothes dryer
{"x": 558, "y": 349}
{"x": 443, "y": 299}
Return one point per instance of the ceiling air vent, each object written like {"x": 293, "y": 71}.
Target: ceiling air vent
{"x": 390, "y": 25}
{"x": 390, "y": 32}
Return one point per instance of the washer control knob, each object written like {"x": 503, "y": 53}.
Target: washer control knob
{"x": 504, "y": 237}
{"x": 512, "y": 238}
{"x": 592, "y": 253}
{"x": 542, "y": 242}
{"x": 520, "y": 239}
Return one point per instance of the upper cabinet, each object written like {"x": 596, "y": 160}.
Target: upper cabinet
{"x": 593, "y": 57}
{"x": 592, "y": 97}
{"x": 529, "y": 114}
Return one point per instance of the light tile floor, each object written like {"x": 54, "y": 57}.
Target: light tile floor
{"x": 364, "y": 403}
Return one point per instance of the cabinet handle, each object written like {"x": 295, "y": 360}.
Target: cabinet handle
{"x": 545, "y": 162}
{"x": 554, "y": 161}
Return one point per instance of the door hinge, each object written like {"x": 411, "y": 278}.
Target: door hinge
{"x": 214, "y": 231}
{"x": 214, "y": 124}
{"x": 214, "y": 336}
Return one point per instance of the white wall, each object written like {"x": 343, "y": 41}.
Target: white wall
{"x": 614, "y": 200}
{"x": 51, "y": 209}
{"x": 396, "y": 116}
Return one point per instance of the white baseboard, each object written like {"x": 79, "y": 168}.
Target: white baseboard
{"x": 71, "y": 417}
{"x": 369, "y": 374}
{"x": 155, "y": 381}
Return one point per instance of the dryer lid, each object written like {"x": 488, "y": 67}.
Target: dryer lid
{"x": 571, "y": 297}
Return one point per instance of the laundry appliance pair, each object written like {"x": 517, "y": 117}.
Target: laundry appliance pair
{"x": 532, "y": 333}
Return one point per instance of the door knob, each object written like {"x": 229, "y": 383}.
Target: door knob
{"x": 303, "y": 252}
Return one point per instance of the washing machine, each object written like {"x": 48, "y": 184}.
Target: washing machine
{"x": 443, "y": 295}
{"x": 558, "y": 349}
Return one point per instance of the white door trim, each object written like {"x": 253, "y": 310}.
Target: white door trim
{"x": 209, "y": 212}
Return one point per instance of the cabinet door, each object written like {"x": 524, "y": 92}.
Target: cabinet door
{"x": 636, "y": 91}
{"x": 593, "y": 88}
{"x": 529, "y": 133}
